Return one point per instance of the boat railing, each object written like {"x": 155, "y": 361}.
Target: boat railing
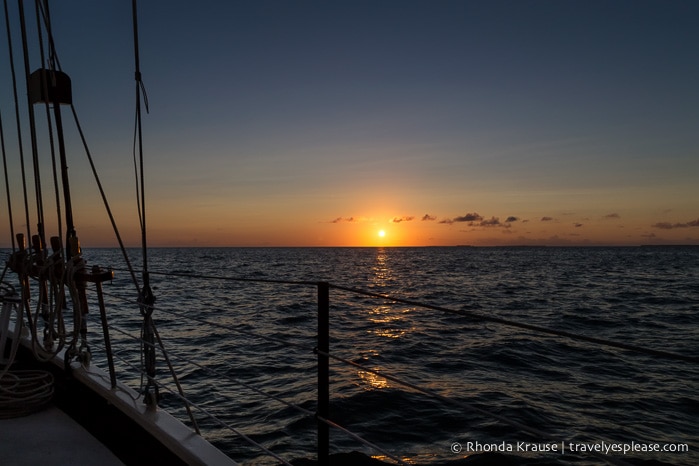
{"x": 325, "y": 355}
{"x": 122, "y": 329}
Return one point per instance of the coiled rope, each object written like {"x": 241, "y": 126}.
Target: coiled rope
{"x": 23, "y": 392}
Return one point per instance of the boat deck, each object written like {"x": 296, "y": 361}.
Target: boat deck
{"x": 89, "y": 422}
{"x": 50, "y": 437}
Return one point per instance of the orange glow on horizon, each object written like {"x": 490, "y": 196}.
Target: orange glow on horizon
{"x": 363, "y": 228}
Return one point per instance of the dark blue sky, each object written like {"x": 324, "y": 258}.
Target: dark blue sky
{"x": 270, "y": 116}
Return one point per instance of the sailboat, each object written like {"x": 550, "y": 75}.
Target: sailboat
{"x": 62, "y": 393}
{"x": 56, "y": 405}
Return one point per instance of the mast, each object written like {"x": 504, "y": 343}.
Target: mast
{"x": 54, "y": 87}
{"x": 32, "y": 129}
{"x": 146, "y": 298}
{"x": 139, "y": 135}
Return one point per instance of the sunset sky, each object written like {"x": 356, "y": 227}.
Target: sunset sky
{"x": 321, "y": 123}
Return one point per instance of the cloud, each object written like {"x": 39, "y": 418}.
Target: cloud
{"x": 401, "y": 219}
{"x": 665, "y": 225}
{"x": 672, "y": 226}
{"x": 340, "y": 220}
{"x": 468, "y": 218}
{"x": 613, "y": 215}
{"x": 428, "y": 217}
{"x": 474, "y": 217}
{"x": 493, "y": 222}
{"x": 546, "y": 219}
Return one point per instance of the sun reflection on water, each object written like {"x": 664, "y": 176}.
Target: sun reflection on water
{"x": 381, "y": 269}
{"x": 387, "y": 319}
{"x": 389, "y": 322}
{"x": 389, "y": 460}
{"x": 373, "y": 381}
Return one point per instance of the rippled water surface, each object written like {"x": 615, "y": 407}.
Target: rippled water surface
{"x": 564, "y": 390}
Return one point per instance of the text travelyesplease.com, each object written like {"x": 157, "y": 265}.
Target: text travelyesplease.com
{"x": 570, "y": 447}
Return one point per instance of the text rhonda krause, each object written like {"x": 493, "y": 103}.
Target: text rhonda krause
{"x": 573, "y": 447}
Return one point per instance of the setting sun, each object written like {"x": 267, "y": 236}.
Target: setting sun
{"x": 382, "y": 233}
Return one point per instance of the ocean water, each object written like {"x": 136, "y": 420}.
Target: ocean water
{"x": 492, "y": 379}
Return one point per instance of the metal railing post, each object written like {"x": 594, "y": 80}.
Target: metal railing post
{"x": 323, "y": 372}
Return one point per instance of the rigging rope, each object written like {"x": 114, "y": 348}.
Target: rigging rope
{"x": 41, "y": 14}
{"x": 7, "y": 186}
{"x": 146, "y": 297}
{"x": 17, "y": 122}
{"x": 32, "y": 130}
{"x": 105, "y": 202}
{"x": 138, "y": 143}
